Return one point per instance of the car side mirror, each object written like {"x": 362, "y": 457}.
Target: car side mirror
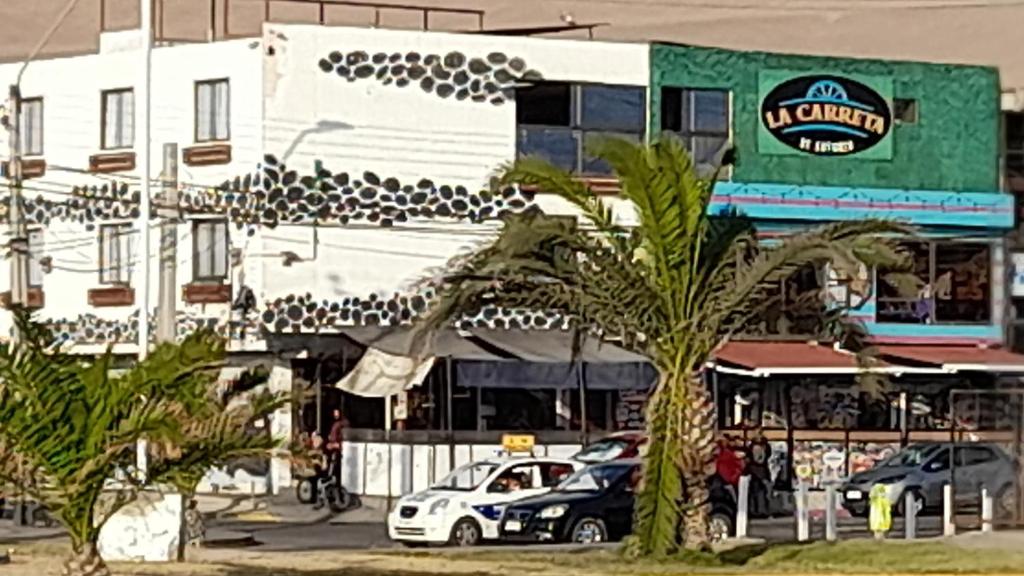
{"x": 497, "y": 488}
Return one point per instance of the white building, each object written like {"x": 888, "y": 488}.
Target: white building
{"x": 323, "y": 174}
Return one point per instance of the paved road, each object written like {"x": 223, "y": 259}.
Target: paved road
{"x": 321, "y": 536}
{"x": 324, "y": 536}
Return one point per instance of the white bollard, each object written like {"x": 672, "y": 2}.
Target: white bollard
{"x": 742, "y": 507}
{"x": 803, "y": 524}
{"x": 986, "y": 510}
{"x": 831, "y": 525}
{"x": 910, "y": 515}
{"x": 948, "y": 527}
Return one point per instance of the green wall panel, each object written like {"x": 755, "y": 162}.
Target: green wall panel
{"x": 953, "y": 146}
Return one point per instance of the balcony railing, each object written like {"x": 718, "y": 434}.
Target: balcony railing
{"x": 218, "y": 25}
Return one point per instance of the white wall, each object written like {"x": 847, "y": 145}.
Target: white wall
{"x": 283, "y": 104}
{"x": 401, "y": 132}
{"x": 71, "y": 90}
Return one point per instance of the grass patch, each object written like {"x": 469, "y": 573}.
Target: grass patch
{"x": 849, "y": 557}
{"x": 879, "y": 557}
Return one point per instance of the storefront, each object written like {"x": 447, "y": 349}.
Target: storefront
{"x": 829, "y": 414}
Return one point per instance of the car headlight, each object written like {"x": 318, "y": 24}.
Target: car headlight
{"x": 438, "y": 506}
{"x": 552, "y": 512}
{"x": 891, "y": 480}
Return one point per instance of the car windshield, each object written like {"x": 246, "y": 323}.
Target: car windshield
{"x": 602, "y": 451}
{"x": 467, "y": 477}
{"x": 594, "y": 478}
{"x": 910, "y": 456}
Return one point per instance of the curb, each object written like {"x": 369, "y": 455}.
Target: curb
{"x": 255, "y": 516}
{"x": 231, "y": 540}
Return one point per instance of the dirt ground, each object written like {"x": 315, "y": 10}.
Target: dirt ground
{"x": 866, "y": 558}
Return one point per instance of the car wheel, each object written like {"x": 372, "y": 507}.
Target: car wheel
{"x": 589, "y": 531}
{"x": 720, "y": 526}
{"x": 305, "y": 492}
{"x": 1006, "y": 501}
{"x": 466, "y": 532}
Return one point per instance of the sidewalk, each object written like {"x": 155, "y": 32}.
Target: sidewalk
{"x": 286, "y": 509}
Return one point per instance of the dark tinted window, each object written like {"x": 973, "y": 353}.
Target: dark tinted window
{"x": 557, "y": 120}
{"x": 701, "y": 118}
{"x": 544, "y": 104}
{"x": 974, "y": 455}
{"x": 612, "y": 108}
{"x": 939, "y": 463}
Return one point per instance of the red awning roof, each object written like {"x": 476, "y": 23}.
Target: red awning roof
{"x": 757, "y": 358}
{"x": 766, "y": 358}
{"x": 955, "y": 358}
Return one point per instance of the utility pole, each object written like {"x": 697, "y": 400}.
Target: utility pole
{"x": 166, "y": 326}
{"x": 19, "y": 237}
{"x": 146, "y": 47}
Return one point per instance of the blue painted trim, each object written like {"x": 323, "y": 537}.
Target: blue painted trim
{"x": 762, "y": 201}
{"x": 827, "y": 101}
{"x": 987, "y": 332}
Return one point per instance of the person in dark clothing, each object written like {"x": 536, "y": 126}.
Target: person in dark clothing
{"x": 332, "y": 448}
{"x": 758, "y": 455}
{"x": 332, "y": 453}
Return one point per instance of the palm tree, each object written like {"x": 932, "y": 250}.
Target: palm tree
{"x": 70, "y": 425}
{"x": 673, "y": 287}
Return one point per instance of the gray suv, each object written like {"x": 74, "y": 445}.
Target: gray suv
{"x": 923, "y": 469}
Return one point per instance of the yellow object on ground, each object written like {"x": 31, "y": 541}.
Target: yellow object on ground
{"x": 880, "y": 518}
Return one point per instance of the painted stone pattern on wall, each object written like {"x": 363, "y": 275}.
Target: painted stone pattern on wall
{"x": 87, "y": 205}
{"x": 952, "y": 145}
{"x": 453, "y": 75}
{"x": 275, "y": 195}
{"x": 302, "y": 313}
{"x": 93, "y": 329}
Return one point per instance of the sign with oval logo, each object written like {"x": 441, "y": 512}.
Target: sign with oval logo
{"x": 825, "y": 115}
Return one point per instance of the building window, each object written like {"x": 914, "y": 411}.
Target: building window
{"x": 557, "y": 121}
{"x": 213, "y": 111}
{"x": 904, "y": 110}
{"x": 1015, "y": 149}
{"x": 209, "y": 250}
{"x": 118, "y": 119}
{"x": 31, "y": 127}
{"x": 36, "y": 247}
{"x": 701, "y": 118}
{"x": 117, "y": 244}
{"x": 949, "y": 283}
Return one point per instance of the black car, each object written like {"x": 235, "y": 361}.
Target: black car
{"x": 593, "y": 505}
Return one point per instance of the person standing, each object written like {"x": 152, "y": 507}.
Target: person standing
{"x": 759, "y": 454}
{"x": 332, "y": 453}
{"x": 332, "y": 448}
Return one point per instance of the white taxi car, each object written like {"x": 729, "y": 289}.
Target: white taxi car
{"x": 466, "y": 506}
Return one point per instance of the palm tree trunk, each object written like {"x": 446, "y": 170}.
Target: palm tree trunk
{"x": 697, "y": 462}
{"x": 85, "y": 560}
{"x": 657, "y": 512}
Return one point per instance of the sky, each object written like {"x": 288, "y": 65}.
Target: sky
{"x": 983, "y": 32}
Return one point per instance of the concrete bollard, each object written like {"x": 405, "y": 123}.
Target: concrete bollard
{"x": 910, "y": 515}
{"x": 831, "y": 524}
{"x": 803, "y": 524}
{"x": 742, "y": 507}
{"x": 948, "y": 527}
{"x": 986, "y": 510}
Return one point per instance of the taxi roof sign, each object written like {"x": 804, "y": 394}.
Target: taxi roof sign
{"x": 513, "y": 443}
